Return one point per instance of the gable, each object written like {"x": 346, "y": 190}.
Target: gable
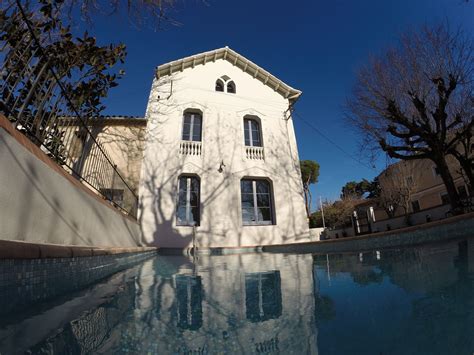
{"x": 236, "y": 60}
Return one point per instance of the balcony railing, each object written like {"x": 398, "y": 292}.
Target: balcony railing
{"x": 190, "y": 148}
{"x": 254, "y": 153}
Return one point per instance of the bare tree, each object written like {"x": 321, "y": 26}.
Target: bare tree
{"x": 411, "y": 101}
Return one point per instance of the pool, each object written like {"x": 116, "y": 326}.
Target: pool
{"x": 403, "y": 301}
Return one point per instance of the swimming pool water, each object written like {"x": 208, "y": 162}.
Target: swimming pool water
{"x": 407, "y": 301}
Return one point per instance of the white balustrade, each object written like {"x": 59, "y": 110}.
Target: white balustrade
{"x": 254, "y": 153}
{"x": 190, "y": 148}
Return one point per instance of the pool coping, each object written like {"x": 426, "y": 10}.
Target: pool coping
{"x": 418, "y": 235}
{"x": 12, "y": 249}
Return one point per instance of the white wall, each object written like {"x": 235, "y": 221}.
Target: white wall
{"x": 222, "y": 141}
{"x": 37, "y": 204}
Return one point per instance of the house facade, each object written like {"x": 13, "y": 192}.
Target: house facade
{"x": 220, "y": 166}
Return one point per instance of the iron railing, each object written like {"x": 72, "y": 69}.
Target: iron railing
{"x": 33, "y": 97}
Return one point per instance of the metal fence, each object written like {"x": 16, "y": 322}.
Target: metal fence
{"x": 33, "y": 97}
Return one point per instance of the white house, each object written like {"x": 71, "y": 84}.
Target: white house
{"x": 220, "y": 162}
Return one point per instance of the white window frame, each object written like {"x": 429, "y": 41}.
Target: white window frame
{"x": 256, "y": 222}
{"x": 191, "y": 130}
{"x": 248, "y": 120}
{"x": 187, "y": 222}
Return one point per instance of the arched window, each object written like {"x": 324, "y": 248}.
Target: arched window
{"x": 219, "y": 85}
{"x": 192, "y": 126}
{"x": 257, "y": 196}
{"x": 187, "y": 211}
{"x": 253, "y": 137}
{"x": 225, "y": 82}
{"x": 231, "y": 87}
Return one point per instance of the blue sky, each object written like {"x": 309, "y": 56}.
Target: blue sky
{"x": 315, "y": 46}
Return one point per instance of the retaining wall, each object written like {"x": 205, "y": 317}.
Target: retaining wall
{"x": 41, "y": 203}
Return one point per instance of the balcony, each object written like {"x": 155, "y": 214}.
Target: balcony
{"x": 190, "y": 148}
{"x": 254, "y": 153}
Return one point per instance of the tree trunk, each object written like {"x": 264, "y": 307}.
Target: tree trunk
{"x": 306, "y": 201}
{"x": 448, "y": 180}
{"x": 466, "y": 166}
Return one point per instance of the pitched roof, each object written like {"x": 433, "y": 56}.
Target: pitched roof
{"x": 236, "y": 59}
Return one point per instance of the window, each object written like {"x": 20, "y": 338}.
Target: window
{"x": 219, "y": 85}
{"x": 114, "y": 195}
{"x": 231, "y": 87}
{"x": 415, "y": 206}
{"x": 462, "y": 191}
{"x": 78, "y": 143}
{"x": 252, "y": 134}
{"x": 444, "y": 199}
{"x": 225, "y": 81}
{"x": 187, "y": 213}
{"x": 256, "y": 202}
{"x": 189, "y": 301}
{"x": 263, "y": 296}
{"x": 192, "y": 126}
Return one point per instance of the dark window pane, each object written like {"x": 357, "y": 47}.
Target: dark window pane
{"x": 264, "y": 214}
{"x": 263, "y": 186}
{"x": 263, "y": 200}
{"x": 194, "y": 216}
{"x": 256, "y": 139}
{"x": 196, "y": 128}
{"x": 194, "y": 199}
{"x": 231, "y": 87}
{"x": 182, "y": 184}
{"x": 219, "y": 86}
{"x": 246, "y": 186}
{"x": 182, "y": 198}
{"x": 187, "y": 119}
{"x": 246, "y": 133}
{"x": 415, "y": 206}
{"x": 194, "y": 184}
{"x": 197, "y": 120}
{"x": 186, "y": 132}
{"x": 247, "y": 200}
{"x": 197, "y": 136}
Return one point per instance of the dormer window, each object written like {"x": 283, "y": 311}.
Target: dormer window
{"x": 225, "y": 82}
{"x": 219, "y": 85}
{"x": 231, "y": 87}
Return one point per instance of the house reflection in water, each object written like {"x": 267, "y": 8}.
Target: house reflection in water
{"x": 254, "y": 303}
{"x": 263, "y": 296}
